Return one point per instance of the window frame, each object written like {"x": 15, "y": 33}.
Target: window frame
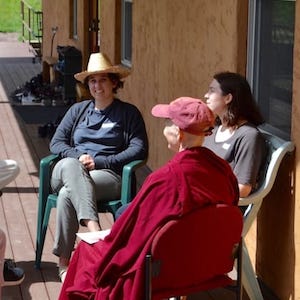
{"x": 126, "y": 31}
{"x": 254, "y": 63}
{"x": 74, "y": 19}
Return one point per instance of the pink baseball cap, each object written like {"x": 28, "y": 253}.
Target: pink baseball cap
{"x": 189, "y": 114}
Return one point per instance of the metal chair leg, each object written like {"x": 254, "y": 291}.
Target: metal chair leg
{"x": 249, "y": 279}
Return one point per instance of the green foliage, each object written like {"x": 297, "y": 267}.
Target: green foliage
{"x": 10, "y": 14}
{"x": 284, "y": 12}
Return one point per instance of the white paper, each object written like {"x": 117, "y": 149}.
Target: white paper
{"x": 93, "y": 237}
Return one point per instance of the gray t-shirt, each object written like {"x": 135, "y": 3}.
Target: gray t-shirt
{"x": 245, "y": 151}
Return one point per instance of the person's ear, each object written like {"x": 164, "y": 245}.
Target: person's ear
{"x": 180, "y": 134}
{"x": 115, "y": 82}
{"x": 228, "y": 98}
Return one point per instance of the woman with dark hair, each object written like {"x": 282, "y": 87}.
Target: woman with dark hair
{"x": 236, "y": 137}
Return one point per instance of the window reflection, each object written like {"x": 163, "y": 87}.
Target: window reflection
{"x": 273, "y": 61}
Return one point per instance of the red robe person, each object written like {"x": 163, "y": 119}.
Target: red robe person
{"x": 113, "y": 269}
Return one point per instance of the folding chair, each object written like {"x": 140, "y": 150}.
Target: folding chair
{"x": 47, "y": 199}
{"x": 193, "y": 253}
{"x": 277, "y": 149}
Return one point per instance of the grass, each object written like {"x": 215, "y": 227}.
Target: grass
{"x": 10, "y": 14}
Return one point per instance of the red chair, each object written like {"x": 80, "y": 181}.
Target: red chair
{"x": 194, "y": 253}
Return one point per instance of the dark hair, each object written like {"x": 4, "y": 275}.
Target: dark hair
{"x": 243, "y": 105}
{"x": 114, "y": 77}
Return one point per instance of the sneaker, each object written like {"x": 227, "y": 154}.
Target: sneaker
{"x": 12, "y": 274}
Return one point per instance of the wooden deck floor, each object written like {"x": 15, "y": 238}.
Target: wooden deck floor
{"x": 18, "y": 204}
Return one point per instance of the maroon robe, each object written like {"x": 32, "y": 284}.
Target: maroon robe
{"x": 114, "y": 268}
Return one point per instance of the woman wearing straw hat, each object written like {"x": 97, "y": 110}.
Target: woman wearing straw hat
{"x": 95, "y": 139}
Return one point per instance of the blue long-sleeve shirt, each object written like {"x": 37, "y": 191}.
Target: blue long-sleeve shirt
{"x": 114, "y": 136}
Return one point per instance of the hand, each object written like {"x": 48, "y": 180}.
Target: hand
{"x": 87, "y": 161}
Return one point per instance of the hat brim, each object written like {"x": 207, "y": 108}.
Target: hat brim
{"x": 161, "y": 111}
{"x": 114, "y": 69}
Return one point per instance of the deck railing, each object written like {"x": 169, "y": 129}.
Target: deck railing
{"x": 32, "y": 30}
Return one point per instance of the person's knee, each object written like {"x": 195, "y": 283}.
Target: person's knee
{"x": 70, "y": 167}
{"x": 70, "y": 163}
{"x": 13, "y": 165}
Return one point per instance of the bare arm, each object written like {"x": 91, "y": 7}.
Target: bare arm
{"x": 245, "y": 190}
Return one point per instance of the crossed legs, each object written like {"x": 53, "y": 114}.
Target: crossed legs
{"x": 77, "y": 191}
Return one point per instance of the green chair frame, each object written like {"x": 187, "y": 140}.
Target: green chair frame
{"x": 47, "y": 199}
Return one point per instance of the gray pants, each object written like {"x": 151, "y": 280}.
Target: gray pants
{"x": 78, "y": 192}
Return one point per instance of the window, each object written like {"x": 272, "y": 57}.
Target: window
{"x": 126, "y": 36}
{"x": 270, "y": 61}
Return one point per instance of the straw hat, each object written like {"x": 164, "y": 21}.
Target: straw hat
{"x": 100, "y": 63}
